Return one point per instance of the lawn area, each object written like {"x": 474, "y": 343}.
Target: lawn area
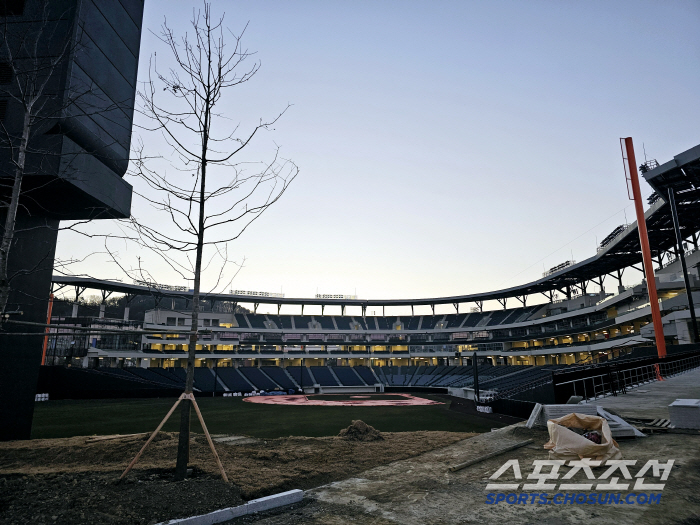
{"x": 57, "y": 419}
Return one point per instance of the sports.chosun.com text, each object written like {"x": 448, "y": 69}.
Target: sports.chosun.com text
{"x": 573, "y": 498}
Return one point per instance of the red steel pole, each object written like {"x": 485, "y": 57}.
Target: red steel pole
{"x": 631, "y": 169}
{"x": 46, "y": 330}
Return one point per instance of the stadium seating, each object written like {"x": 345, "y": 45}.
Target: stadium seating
{"x": 342, "y": 322}
{"x": 133, "y": 381}
{"x": 347, "y": 376}
{"x": 323, "y": 376}
{"x": 454, "y": 320}
{"x": 241, "y": 320}
{"x": 283, "y": 322}
{"x": 429, "y": 321}
{"x": 234, "y": 380}
{"x": 86, "y": 383}
{"x": 150, "y": 375}
{"x": 256, "y": 321}
{"x": 204, "y": 380}
{"x": 258, "y": 378}
{"x": 412, "y": 323}
{"x": 301, "y": 375}
{"x": 498, "y": 316}
{"x": 366, "y": 375}
{"x": 167, "y": 375}
{"x": 382, "y": 323}
{"x": 301, "y": 322}
{"x": 279, "y": 376}
{"x": 326, "y": 321}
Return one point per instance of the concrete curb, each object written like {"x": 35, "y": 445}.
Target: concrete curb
{"x": 255, "y": 505}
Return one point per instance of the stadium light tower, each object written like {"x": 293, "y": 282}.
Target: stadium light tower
{"x": 630, "y": 164}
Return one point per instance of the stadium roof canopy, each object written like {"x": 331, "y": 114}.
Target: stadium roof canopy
{"x": 623, "y": 251}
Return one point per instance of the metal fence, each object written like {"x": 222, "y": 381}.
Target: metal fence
{"x": 616, "y": 378}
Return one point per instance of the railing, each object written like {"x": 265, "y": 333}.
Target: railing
{"x": 495, "y": 395}
{"x": 614, "y": 378}
{"x": 687, "y": 253}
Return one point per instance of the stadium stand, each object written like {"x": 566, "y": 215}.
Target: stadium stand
{"x": 347, "y": 376}
{"x": 167, "y": 375}
{"x": 326, "y": 321}
{"x": 301, "y": 322}
{"x": 204, "y": 379}
{"x": 258, "y": 378}
{"x": 498, "y": 317}
{"x": 323, "y": 376}
{"x": 454, "y": 320}
{"x": 412, "y": 323}
{"x": 283, "y": 322}
{"x": 342, "y": 322}
{"x": 366, "y": 374}
{"x": 474, "y": 319}
{"x": 242, "y": 321}
{"x": 382, "y": 323}
{"x": 256, "y": 321}
{"x": 513, "y": 314}
{"x": 428, "y": 322}
{"x": 86, "y": 383}
{"x": 301, "y": 375}
{"x": 154, "y": 377}
{"x": 363, "y": 323}
{"x": 279, "y": 376}
{"x": 234, "y": 380}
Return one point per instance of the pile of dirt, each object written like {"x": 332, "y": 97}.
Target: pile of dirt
{"x": 361, "y": 431}
{"x": 73, "y": 480}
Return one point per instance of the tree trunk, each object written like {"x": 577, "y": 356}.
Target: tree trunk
{"x": 183, "y": 446}
{"x": 11, "y": 217}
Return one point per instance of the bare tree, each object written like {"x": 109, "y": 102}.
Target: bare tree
{"x": 202, "y": 188}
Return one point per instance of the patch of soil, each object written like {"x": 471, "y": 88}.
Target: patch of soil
{"x": 148, "y": 497}
{"x": 73, "y": 480}
{"x": 361, "y": 431}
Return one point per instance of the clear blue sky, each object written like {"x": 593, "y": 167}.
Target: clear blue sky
{"x": 448, "y": 147}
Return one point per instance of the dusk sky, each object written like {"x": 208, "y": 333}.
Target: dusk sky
{"x": 444, "y": 147}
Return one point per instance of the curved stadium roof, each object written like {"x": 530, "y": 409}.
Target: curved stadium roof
{"x": 682, "y": 174}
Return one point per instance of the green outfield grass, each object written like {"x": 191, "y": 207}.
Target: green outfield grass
{"x": 68, "y": 418}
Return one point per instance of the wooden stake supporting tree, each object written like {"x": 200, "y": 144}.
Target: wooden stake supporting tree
{"x": 190, "y": 397}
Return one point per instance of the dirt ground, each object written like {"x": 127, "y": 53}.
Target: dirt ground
{"x": 422, "y": 491}
{"x": 73, "y": 480}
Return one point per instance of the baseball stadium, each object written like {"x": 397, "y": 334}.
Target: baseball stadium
{"x": 517, "y": 348}
{"x": 566, "y": 399}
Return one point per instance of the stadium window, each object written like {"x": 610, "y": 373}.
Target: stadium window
{"x": 181, "y": 321}
{"x": 207, "y": 322}
{"x": 215, "y": 322}
{"x": 170, "y": 321}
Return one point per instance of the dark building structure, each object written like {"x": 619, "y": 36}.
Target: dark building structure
{"x": 82, "y": 56}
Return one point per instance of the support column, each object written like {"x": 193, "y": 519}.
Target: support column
{"x": 631, "y": 172}
{"x": 681, "y": 256}
{"x": 32, "y": 251}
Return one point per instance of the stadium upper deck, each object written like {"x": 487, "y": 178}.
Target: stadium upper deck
{"x": 593, "y": 322}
